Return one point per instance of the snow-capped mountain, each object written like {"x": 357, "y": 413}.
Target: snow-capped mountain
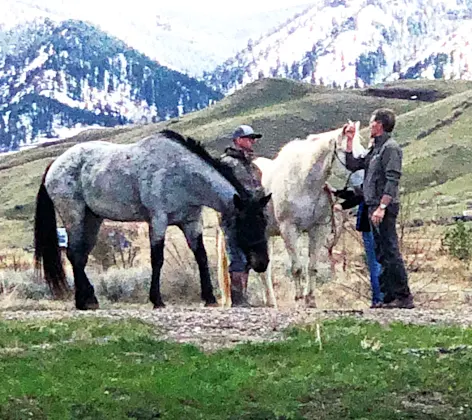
{"x": 59, "y": 75}
{"x": 183, "y": 36}
{"x": 448, "y": 58}
{"x": 351, "y": 43}
{"x": 71, "y": 75}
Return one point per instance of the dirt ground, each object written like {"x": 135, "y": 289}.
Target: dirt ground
{"x": 215, "y": 328}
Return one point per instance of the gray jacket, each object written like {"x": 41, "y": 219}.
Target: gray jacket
{"x": 383, "y": 170}
{"x": 245, "y": 171}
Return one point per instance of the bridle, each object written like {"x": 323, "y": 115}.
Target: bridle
{"x": 254, "y": 243}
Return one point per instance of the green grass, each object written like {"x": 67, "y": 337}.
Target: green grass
{"x": 363, "y": 370}
{"x": 283, "y": 109}
{"x": 429, "y": 203}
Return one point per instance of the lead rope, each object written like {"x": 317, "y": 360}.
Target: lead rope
{"x": 333, "y": 202}
{"x": 331, "y": 245}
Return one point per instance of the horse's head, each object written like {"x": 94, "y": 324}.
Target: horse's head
{"x": 250, "y": 225}
{"x": 353, "y": 127}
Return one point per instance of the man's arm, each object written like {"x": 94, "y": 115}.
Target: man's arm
{"x": 392, "y": 162}
{"x": 352, "y": 202}
{"x": 239, "y": 171}
{"x": 354, "y": 164}
{"x": 352, "y": 197}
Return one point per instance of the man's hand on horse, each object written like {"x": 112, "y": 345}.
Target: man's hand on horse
{"x": 337, "y": 207}
{"x": 330, "y": 188}
{"x": 349, "y": 131}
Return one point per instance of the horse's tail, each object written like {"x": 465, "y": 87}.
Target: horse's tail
{"x": 46, "y": 244}
{"x": 224, "y": 281}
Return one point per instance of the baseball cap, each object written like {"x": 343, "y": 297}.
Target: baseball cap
{"x": 245, "y": 131}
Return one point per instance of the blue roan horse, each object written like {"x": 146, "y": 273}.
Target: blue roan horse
{"x": 164, "y": 179}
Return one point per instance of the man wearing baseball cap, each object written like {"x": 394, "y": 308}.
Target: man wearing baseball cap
{"x": 239, "y": 157}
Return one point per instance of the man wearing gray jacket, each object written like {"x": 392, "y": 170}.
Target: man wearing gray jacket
{"x": 383, "y": 170}
{"x": 239, "y": 157}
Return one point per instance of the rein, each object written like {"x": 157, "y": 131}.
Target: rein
{"x": 330, "y": 247}
{"x": 255, "y": 242}
{"x": 332, "y": 202}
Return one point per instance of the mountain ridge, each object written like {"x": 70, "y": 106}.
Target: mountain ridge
{"x": 350, "y": 43}
{"x": 188, "y": 40}
{"x": 334, "y": 43}
{"x": 73, "y": 73}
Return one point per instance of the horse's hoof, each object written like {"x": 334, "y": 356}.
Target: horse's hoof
{"x": 90, "y": 304}
{"x": 159, "y": 306}
{"x": 210, "y": 301}
{"x": 88, "y": 307}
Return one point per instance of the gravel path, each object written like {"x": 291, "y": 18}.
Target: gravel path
{"x": 215, "y": 328}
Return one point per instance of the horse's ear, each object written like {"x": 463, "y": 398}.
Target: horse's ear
{"x": 345, "y": 126}
{"x": 238, "y": 203}
{"x": 264, "y": 200}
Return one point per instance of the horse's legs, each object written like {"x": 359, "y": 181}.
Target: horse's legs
{"x": 317, "y": 237}
{"x": 83, "y": 228}
{"x": 193, "y": 234}
{"x": 289, "y": 234}
{"x": 157, "y": 232}
{"x": 267, "y": 282}
{"x": 313, "y": 254}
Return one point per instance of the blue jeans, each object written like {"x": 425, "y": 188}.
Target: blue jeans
{"x": 374, "y": 266}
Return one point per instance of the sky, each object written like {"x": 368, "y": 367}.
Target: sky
{"x": 137, "y": 7}
{"x": 237, "y": 7}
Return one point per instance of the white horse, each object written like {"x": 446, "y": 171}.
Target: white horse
{"x": 301, "y": 203}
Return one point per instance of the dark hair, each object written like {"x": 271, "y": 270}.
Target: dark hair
{"x": 386, "y": 117}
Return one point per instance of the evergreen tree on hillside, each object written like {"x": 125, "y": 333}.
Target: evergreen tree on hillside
{"x": 439, "y": 61}
{"x": 368, "y": 65}
{"x": 295, "y": 71}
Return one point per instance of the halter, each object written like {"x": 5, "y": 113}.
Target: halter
{"x": 247, "y": 243}
{"x": 251, "y": 244}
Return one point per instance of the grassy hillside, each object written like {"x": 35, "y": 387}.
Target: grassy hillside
{"x": 432, "y": 130}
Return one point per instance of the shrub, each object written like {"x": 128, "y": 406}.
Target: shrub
{"x": 115, "y": 247}
{"x": 458, "y": 241}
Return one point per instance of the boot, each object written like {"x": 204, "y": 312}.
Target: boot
{"x": 244, "y": 279}
{"x": 400, "y": 303}
{"x": 239, "y": 289}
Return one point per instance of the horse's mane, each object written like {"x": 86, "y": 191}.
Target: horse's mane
{"x": 319, "y": 140}
{"x": 198, "y": 149}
